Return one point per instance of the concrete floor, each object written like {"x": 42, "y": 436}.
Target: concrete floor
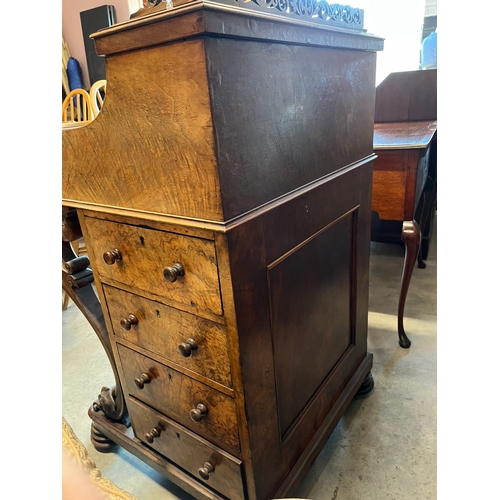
{"x": 385, "y": 445}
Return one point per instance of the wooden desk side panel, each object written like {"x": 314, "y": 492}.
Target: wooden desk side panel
{"x": 253, "y": 247}
{"x": 152, "y": 146}
{"x": 285, "y": 115}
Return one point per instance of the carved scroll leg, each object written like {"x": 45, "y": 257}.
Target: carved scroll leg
{"x": 428, "y": 197}
{"x": 77, "y": 278}
{"x": 411, "y": 237}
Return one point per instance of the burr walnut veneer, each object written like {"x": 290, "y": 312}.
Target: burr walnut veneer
{"x": 224, "y": 195}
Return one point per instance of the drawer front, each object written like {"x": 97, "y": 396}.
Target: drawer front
{"x": 164, "y": 331}
{"x": 176, "y": 395}
{"x": 145, "y": 255}
{"x": 187, "y": 450}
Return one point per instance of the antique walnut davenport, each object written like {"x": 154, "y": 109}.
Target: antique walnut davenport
{"x": 224, "y": 196}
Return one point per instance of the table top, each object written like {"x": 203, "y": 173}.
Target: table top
{"x": 403, "y": 135}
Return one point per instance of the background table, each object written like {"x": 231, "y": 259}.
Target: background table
{"x": 403, "y": 190}
{"x": 404, "y": 176}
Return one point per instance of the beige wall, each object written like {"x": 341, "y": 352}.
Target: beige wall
{"x": 72, "y": 28}
{"x": 399, "y": 22}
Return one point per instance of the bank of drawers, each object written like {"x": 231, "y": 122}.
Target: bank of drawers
{"x": 197, "y": 406}
{"x": 163, "y": 297}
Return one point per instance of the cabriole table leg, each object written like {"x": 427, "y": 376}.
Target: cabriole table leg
{"x": 411, "y": 237}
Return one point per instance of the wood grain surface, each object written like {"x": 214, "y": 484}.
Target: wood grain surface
{"x": 407, "y": 96}
{"x": 151, "y": 147}
{"x": 403, "y": 135}
{"x": 175, "y": 395}
{"x": 270, "y": 127}
{"x": 254, "y": 135}
{"x": 389, "y": 190}
{"x": 161, "y": 329}
{"x": 321, "y": 269}
{"x": 146, "y": 253}
{"x": 399, "y": 175}
{"x": 274, "y": 234}
{"x": 188, "y": 450}
{"x": 193, "y": 20}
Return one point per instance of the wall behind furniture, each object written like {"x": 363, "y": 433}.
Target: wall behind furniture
{"x": 72, "y": 28}
{"x": 399, "y": 22}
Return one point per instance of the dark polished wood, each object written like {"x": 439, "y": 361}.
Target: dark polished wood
{"x": 145, "y": 378}
{"x": 187, "y": 348}
{"x": 407, "y": 96}
{"x": 176, "y": 395}
{"x": 404, "y": 176}
{"x": 100, "y": 441}
{"x": 423, "y": 214}
{"x": 411, "y": 237}
{"x": 366, "y": 387}
{"x": 224, "y": 194}
{"x": 264, "y": 165}
{"x": 198, "y": 413}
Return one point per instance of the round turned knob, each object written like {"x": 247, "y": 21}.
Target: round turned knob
{"x": 143, "y": 379}
{"x": 171, "y": 273}
{"x": 111, "y": 257}
{"x": 152, "y": 434}
{"x": 197, "y": 414}
{"x": 186, "y": 348}
{"x": 205, "y": 471}
{"x": 126, "y": 323}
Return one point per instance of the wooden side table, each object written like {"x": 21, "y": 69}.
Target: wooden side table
{"x": 400, "y": 182}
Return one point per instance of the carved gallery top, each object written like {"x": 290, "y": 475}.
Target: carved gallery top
{"x": 316, "y": 11}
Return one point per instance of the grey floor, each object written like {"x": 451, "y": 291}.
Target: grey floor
{"x": 385, "y": 445}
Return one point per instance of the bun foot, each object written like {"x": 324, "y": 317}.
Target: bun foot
{"x": 366, "y": 388}
{"x": 101, "y": 443}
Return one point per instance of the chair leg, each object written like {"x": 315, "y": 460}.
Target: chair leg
{"x": 79, "y": 250}
{"x": 65, "y": 301}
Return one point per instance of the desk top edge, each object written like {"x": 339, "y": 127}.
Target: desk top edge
{"x": 403, "y": 135}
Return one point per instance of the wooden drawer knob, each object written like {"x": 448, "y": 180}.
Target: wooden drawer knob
{"x": 186, "y": 348}
{"x": 197, "y": 414}
{"x": 111, "y": 257}
{"x": 143, "y": 379}
{"x": 126, "y": 323}
{"x": 205, "y": 471}
{"x": 171, "y": 273}
{"x": 152, "y": 434}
